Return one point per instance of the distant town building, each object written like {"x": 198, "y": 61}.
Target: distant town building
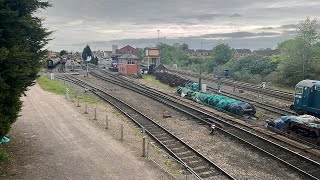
{"x": 102, "y": 54}
{"x": 239, "y": 53}
{"x": 191, "y": 52}
{"x": 198, "y": 52}
{"x": 267, "y": 52}
{"x": 114, "y": 49}
{"x": 52, "y": 54}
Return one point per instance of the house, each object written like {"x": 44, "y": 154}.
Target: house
{"x": 239, "y": 53}
{"x": 191, "y": 52}
{"x": 160, "y": 68}
{"x": 128, "y": 64}
{"x": 52, "y": 54}
{"x": 198, "y": 52}
{"x": 107, "y": 54}
{"x": 202, "y": 52}
{"x": 267, "y": 52}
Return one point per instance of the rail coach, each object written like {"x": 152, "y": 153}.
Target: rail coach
{"x": 307, "y": 98}
{"x": 52, "y": 63}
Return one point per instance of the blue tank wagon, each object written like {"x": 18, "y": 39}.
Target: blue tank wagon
{"x": 307, "y": 98}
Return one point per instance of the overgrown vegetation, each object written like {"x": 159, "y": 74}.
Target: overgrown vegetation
{"x": 22, "y": 39}
{"x": 299, "y": 59}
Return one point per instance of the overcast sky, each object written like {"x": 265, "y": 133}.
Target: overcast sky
{"x": 241, "y": 23}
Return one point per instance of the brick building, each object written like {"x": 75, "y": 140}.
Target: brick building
{"x": 128, "y": 64}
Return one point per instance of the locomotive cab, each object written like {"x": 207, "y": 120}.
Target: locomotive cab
{"x": 307, "y": 98}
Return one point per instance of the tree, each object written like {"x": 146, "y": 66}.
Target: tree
{"x": 255, "y": 64}
{"x": 94, "y": 60}
{"x": 222, "y": 53}
{"x": 185, "y": 46}
{"x": 299, "y": 58}
{"x": 171, "y": 54}
{"x": 63, "y": 52}
{"x": 22, "y": 39}
{"x": 86, "y": 52}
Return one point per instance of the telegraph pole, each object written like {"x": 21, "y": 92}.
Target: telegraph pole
{"x": 158, "y": 36}
{"x": 200, "y": 66}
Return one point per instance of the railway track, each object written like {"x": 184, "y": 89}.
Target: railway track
{"x": 246, "y": 86}
{"x": 193, "y": 160}
{"x": 296, "y": 161}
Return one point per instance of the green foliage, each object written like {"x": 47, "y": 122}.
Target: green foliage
{"x": 222, "y": 53}
{"x": 171, "y": 54}
{"x": 299, "y": 58}
{"x": 246, "y": 76}
{"x": 86, "y": 52}
{"x": 63, "y": 52}
{"x": 94, "y": 60}
{"x": 51, "y": 86}
{"x": 185, "y": 46}
{"x": 22, "y": 39}
{"x": 255, "y": 65}
{"x": 60, "y": 89}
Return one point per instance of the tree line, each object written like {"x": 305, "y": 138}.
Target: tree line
{"x": 299, "y": 59}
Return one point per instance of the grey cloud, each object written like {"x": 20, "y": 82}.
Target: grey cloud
{"x": 240, "y": 35}
{"x": 277, "y": 18}
{"x": 290, "y": 26}
{"x": 235, "y": 15}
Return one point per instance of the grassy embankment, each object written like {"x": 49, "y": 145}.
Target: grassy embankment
{"x": 153, "y": 81}
{"x": 60, "y": 89}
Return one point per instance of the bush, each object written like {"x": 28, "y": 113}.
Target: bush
{"x": 22, "y": 39}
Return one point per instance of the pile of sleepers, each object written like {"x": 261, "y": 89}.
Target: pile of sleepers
{"x": 173, "y": 80}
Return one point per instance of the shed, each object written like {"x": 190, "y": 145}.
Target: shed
{"x": 160, "y": 68}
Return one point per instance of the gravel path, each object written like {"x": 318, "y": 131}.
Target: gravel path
{"x": 52, "y": 140}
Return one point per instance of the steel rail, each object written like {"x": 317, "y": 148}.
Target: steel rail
{"x": 193, "y": 160}
{"x": 299, "y": 162}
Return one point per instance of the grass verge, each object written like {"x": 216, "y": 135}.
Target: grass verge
{"x": 60, "y": 89}
{"x": 51, "y": 86}
{"x": 152, "y": 80}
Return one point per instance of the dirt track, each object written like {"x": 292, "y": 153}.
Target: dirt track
{"x": 52, "y": 140}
